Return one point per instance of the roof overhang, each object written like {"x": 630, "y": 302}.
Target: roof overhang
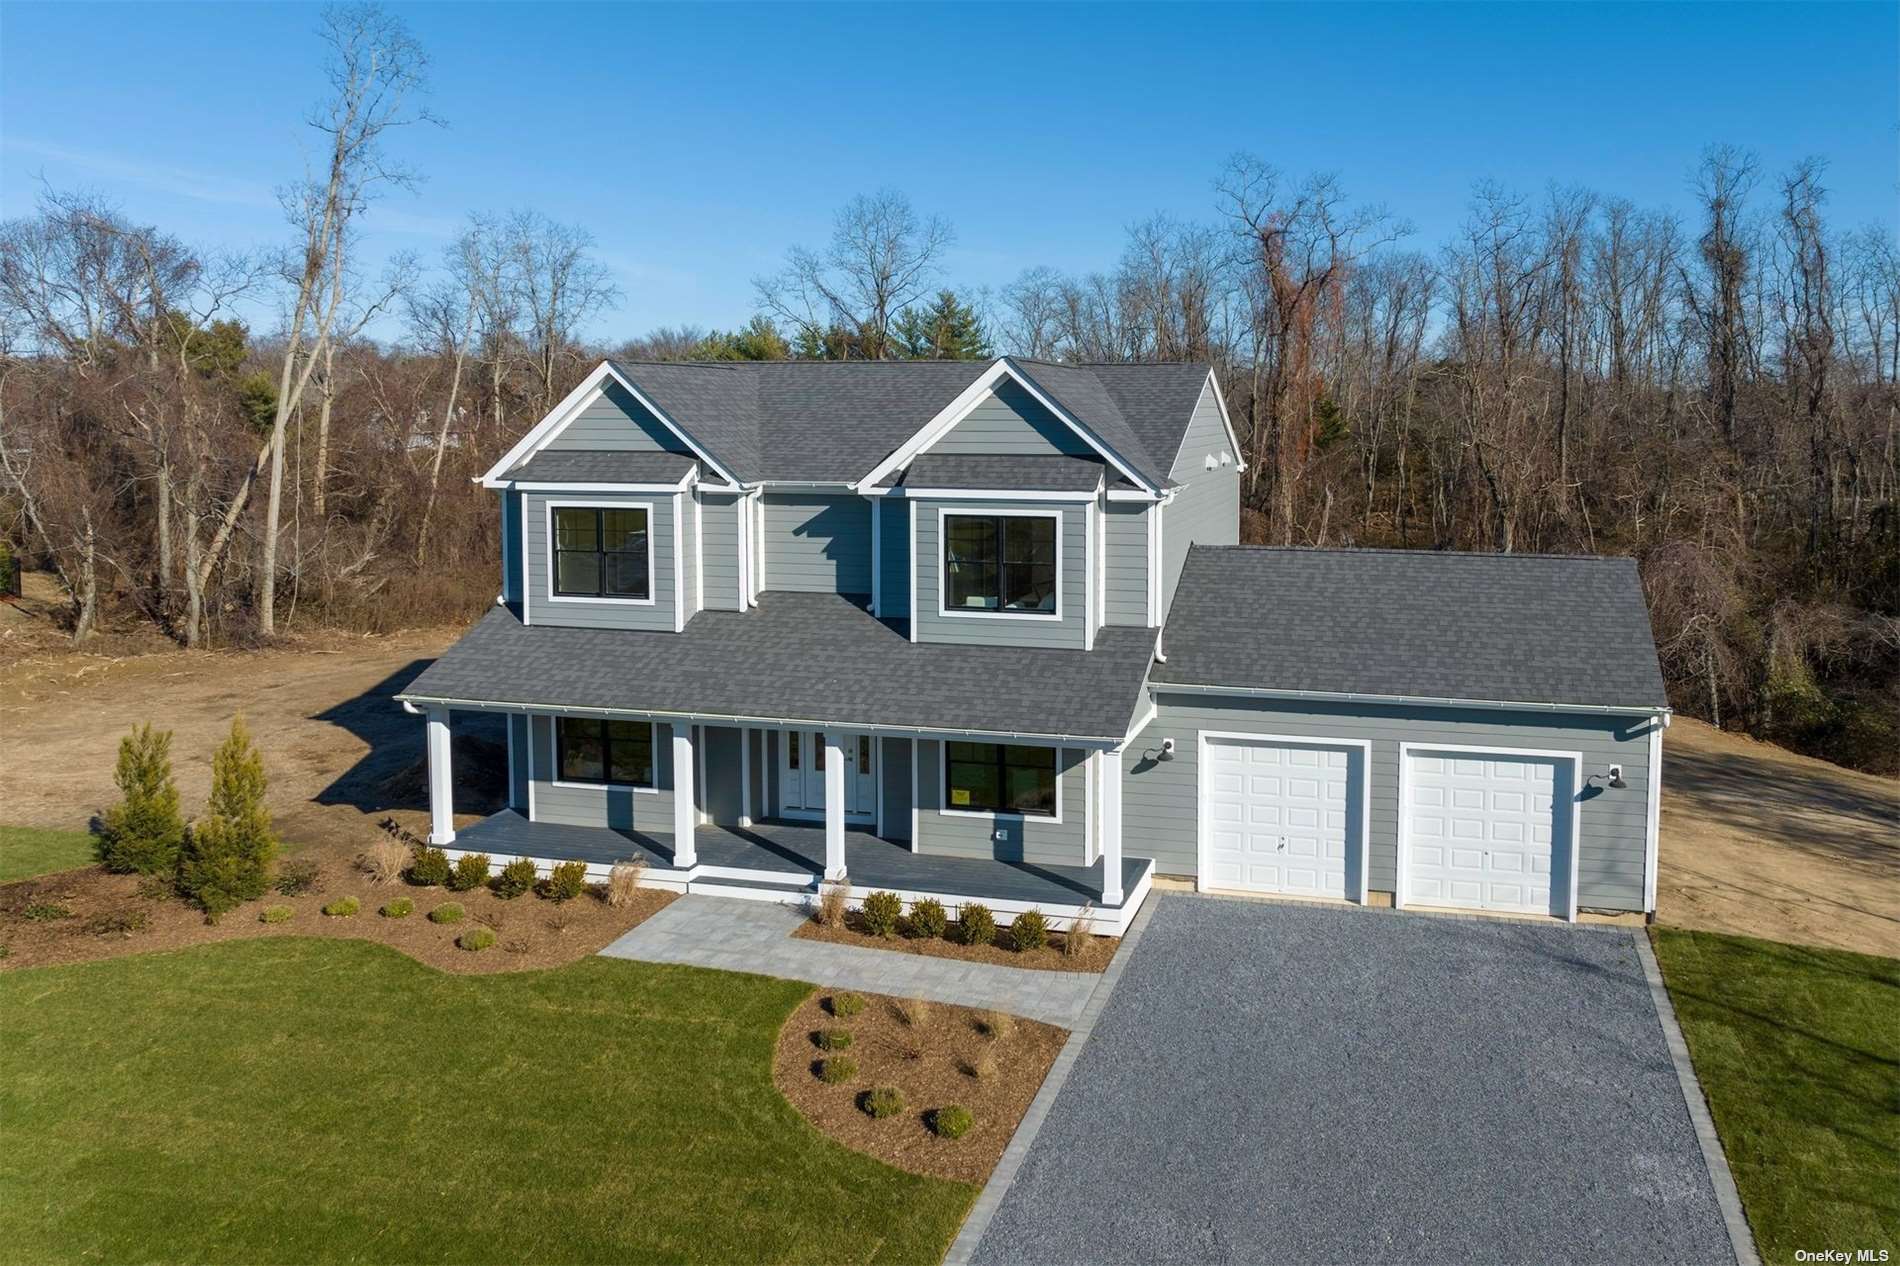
{"x": 1332, "y": 696}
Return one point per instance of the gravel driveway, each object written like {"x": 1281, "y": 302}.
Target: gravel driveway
{"x": 1279, "y": 1083}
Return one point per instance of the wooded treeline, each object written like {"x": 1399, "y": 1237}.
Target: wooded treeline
{"x": 1714, "y": 394}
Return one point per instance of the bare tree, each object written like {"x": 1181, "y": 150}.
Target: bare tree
{"x": 558, "y": 287}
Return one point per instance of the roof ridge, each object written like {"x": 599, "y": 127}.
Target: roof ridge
{"x": 1409, "y": 553}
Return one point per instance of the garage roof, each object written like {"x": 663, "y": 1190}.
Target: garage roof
{"x": 1523, "y": 629}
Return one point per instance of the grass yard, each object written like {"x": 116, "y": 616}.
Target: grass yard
{"x": 1798, "y": 1051}
{"x": 300, "y": 1100}
{"x": 26, "y": 851}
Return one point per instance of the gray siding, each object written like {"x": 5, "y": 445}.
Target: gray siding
{"x": 894, "y": 554}
{"x": 1125, "y": 564}
{"x": 1206, "y": 507}
{"x": 1010, "y": 421}
{"x": 719, "y": 522}
{"x": 896, "y": 775}
{"x": 518, "y": 762}
{"x": 817, "y": 543}
{"x": 511, "y": 548}
{"x": 649, "y": 811}
{"x": 1024, "y": 839}
{"x": 1069, "y": 631}
{"x": 689, "y": 555}
{"x": 542, "y": 606}
{"x": 722, "y": 797}
{"x": 1159, "y": 799}
{"x": 615, "y": 420}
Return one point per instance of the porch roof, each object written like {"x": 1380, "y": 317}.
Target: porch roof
{"x": 797, "y": 658}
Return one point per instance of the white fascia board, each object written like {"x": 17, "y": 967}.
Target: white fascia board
{"x": 1226, "y": 420}
{"x": 1133, "y": 494}
{"x": 1432, "y": 701}
{"x": 597, "y": 487}
{"x": 981, "y": 494}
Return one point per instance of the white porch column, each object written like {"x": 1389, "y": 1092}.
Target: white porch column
{"x": 834, "y": 804}
{"x": 685, "y": 813}
{"x": 441, "y": 781}
{"x": 1111, "y": 785}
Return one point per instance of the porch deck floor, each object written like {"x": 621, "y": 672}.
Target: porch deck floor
{"x": 797, "y": 850}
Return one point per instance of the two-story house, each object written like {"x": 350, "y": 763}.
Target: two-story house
{"x": 983, "y": 632}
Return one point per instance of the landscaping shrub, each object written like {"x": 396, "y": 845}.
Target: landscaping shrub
{"x": 478, "y": 938}
{"x": 343, "y": 908}
{"x": 1080, "y": 938}
{"x": 145, "y": 831}
{"x": 429, "y": 868}
{"x": 996, "y": 1025}
{"x": 515, "y": 878}
{"x": 296, "y": 877}
{"x": 885, "y": 1101}
{"x": 117, "y": 923}
{"x": 927, "y": 919}
{"x": 228, "y": 852}
{"x": 913, "y": 1012}
{"x": 845, "y": 1005}
{"x": 568, "y": 881}
{"x": 277, "y": 914}
{"x": 470, "y": 873}
{"x": 1030, "y": 931}
{"x": 837, "y": 1070}
{"x": 46, "y": 912}
{"x": 447, "y": 912}
{"x": 834, "y": 1039}
{"x": 880, "y": 912}
{"x": 623, "y": 881}
{"x": 981, "y": 1066}
{"x": 833, "y": 896}
{"x": 383, "y": 861}
{"x": 952, "y": 1121}
{"x": 400, "y": 908}
{"x": 975, "y": 924}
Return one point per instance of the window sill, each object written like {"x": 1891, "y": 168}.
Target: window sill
{"x": 996, "y": 815}
{"x": 974, "y": 614}
{"x": 604, "y": 786}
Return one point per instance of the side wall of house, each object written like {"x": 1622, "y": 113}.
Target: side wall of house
{"x": 580, "y": 805}
{"x": 1010, "y": 837}
{"x": 1206, "y": 505}
{"x": 817, "y": 543}
{"x": 894, "y": 555}
{"x": 1125, "y": 562}
{"x": 719, "y": 523}
{"x": 933, "y": 625}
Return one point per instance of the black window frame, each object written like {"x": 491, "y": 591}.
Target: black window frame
{"x": 1001, "y": 763}
{"x": 1000, "y": 566}
{"x": 606, "y": 740}
{"x": 600, "y": 552}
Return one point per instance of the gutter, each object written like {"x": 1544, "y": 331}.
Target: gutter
{"x": 1334, "y": 696}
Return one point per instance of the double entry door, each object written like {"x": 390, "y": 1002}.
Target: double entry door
{"x": 801, "y": 775}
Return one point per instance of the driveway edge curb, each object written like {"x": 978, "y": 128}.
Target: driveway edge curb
{"x": 963, "y": 1248}
{"x": 1727, "y": 1198}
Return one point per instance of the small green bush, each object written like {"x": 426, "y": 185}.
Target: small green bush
{"x": 430, "y": 869}
{"x": 118, "y": 923}
{"x": 927, "y": 919}
{"x": 952, "y": 1121}
{"x": 885, "y": 1101}
{"x": 145, "y": 831}
{"x": 975, "y": 924}
{"x": 515, "y": 878}
{"x": 447, "y": 912}
{"x": 277, "y": 914}
{"x": 880, "y": 912}
{"x": 228, "y": 852}
{"x": 837, "y": 1070}
{"x": 46, "y": 912}
{"x": 297, "y": 877}
{"x": 1030, "y": 931}
{"x": 568, "y": 881}
{"x": 400, "y": 908}
{"x": 343, "y": 908}
{"x": 833, "y": 1039}
{"x": 476, "y": 938}
{"x": 844, "y": 1005}
{"x": 470, "y": 873}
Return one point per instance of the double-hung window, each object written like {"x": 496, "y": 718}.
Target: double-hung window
{"x": 1000, "y": 778}
{"x": 613, "y": 753}
{"x": 999, "y": 563}
{"x": 602, "y": 552}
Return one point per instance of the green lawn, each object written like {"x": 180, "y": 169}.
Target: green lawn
{"x": 291, "y": 1100}
{"x": 26, "y": 851}
{"x": 1798, "y": 1051}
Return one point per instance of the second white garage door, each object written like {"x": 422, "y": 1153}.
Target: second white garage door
{"x": 1487, "y": 830}
{"x": 1281, "y": 816}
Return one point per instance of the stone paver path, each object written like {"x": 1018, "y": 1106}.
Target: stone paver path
{"x": 756, "y": 937}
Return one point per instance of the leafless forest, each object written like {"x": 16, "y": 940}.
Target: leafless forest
{"x": 1716, "y": 393}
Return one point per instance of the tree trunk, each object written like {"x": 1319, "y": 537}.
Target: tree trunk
{"x": 328, "y": 388}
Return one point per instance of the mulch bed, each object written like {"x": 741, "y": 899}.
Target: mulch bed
{"x": 112, "y": 915}
{"x": 1094, "y": 954}
{"x": 934, "y": 1063}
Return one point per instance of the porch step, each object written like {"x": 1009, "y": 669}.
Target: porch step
{"x": 746, "y": 890}
{"x": 757, "y": 875}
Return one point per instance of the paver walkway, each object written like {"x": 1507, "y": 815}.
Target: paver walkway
{"x": 756, "y": 937}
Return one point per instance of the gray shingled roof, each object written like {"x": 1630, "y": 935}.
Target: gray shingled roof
{"x": 1054, "y": 473}
{"x": 1513, "y": 628}
{"x": 1156, "y": 401}
{"x": 803, "y": 657}
{"x": 604, "y": 466}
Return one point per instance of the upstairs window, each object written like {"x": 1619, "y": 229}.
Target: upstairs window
{"x": 1000, "y": 778}
{"x": 613, "y": 753}
{"x": 999, "y": 563}
{"x": 602, "y": 553}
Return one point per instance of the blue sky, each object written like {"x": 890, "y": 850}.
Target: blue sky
{"x": 697, "y": 143}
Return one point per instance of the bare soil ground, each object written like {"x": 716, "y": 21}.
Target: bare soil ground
{"x": 1091, "y": 955}
{"x": 1759, "y": 841}
{"x": 992, "y": 1065}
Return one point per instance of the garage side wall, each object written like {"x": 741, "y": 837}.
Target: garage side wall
{"x": 1159, "y": 799}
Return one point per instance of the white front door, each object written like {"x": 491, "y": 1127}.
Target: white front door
{"x": 1281, "y": 816}
{"x": 801, "y": 774}
{"x": 1482, "y": 829}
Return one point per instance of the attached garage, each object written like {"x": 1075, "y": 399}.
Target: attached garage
{"x": 1488, "y": 829}
{"x": 1283, "y": 815}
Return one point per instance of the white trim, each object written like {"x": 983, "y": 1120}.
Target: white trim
{"x": 1400, "y": 895}
{"x": 441, "y": 761}
{"x": 1091, "y": 559}
{"x": 1092, "y": 800}
{"x": 530, "y": 719}
{"x": 601, "y": 487}
{"x": 877, "y": 558}
{"x": 835, "y": 861}
{"x": 1043, "y": 617}
{"x": 1652, "y": 837}
{"x": 1134, "y": 494}
{"x": 653, "y": 595}
{"x": 1098, "y": 575}
{"x": 701, "y": 813}
{"x": 699, "y": 555}
{"x": 915, "y": 744}
{"x": 760, "y": 553}
{"x": 1113, "y": 822}
{"x": 1261, "y": 692}
{"x": 527, "y": 566}
{"x": 1362, "y": 746}
{"x": 1154, "y": 514}
{"x": 913, "y": 571}
{"x": 943, "y": 785}
{"x": 554, "y": 739}
{"x": 982, "y": 494}
{"x": 745, "y": 775}
{"x": 1150, "y": 711}
{"x": 679, "y": 564}
{"x": 1220, "y": 401}
{"x": 744, "y": 527}
{"x": 685, "y": 815}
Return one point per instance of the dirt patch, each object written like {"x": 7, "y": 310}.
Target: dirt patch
{"x": 107, "y": 915}
{"x": 990, "y": 1065}
{"x": 1093, "y": 955}
{"x": 1759, "y": 841}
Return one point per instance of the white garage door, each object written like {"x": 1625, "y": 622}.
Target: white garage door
{"x": 1485, "y": 830}
{"x": 1281, "y": 816}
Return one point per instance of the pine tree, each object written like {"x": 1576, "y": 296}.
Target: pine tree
{"x": 145, "y": 830}
{"x": 947, "y": 329}
{"x": 228, "y": 854}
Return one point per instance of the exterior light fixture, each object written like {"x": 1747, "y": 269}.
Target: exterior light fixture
{"x": 1167, "y": 749}
{"x": 1616, "y": 778}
